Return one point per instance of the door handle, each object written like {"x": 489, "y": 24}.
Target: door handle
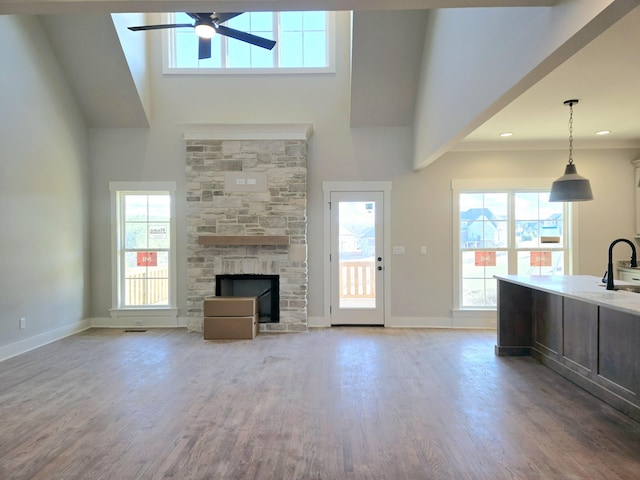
{"x": 379, "y": 268}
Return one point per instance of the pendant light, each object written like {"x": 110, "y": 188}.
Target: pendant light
{"x": 570, "y": 187}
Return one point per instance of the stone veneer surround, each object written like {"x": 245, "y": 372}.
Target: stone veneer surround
{"x": 279, "y": 209}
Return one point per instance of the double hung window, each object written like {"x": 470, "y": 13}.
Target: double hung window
{"x": 504, "y": 231}
{"x": 143, "y": 245}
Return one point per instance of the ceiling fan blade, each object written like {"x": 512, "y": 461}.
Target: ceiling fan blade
{"x": 213, "y": 16}
{"x": 198, "y": 17}
{"x": 204, "y": 48}
{"x": 223, "y": 17}
{"x": 246, "y": 37}
{"x": 158, "y": 27}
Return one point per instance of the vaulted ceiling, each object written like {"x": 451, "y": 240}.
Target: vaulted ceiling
{"x": 388, "y": 45}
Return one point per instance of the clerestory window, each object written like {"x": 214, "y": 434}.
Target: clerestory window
{"x": 304, "y": 44}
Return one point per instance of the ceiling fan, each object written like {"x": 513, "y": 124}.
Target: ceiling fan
{"x": 206, "y": 25}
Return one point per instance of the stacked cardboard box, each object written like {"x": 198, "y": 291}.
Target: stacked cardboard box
{"x": 230, "y": 318}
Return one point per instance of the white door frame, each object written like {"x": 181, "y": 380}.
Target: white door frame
{"x": 385, "y": 188}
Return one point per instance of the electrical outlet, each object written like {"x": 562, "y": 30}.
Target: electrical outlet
{"x": 23, "y": 322}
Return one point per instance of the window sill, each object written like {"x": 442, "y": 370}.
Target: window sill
{"x": 248, "y": 71}
{"x": 474, "y": 318}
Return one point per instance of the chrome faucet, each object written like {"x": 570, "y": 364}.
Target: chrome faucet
{"x": 633, "y": 263}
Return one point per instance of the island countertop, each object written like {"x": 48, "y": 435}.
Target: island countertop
{"x": 576, "y": 327}
{"x": 586, "y": 288}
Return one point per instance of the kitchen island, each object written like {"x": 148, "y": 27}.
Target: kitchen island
{"x": 576, "y": 327}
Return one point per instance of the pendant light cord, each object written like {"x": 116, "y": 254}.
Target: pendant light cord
{"x": 570, "y": 133}
{"x": 571, "y": 103}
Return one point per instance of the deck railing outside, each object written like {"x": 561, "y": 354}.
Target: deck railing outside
{"x": 357, "y": 279}
{"x": 147, "y": 287}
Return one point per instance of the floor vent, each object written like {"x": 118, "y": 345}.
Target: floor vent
{"x": 135, "y": 330}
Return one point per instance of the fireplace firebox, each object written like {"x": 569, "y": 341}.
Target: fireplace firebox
{"x": 265, "y": 287}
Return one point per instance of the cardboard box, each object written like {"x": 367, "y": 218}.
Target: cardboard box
{"x": 230, "y": 306}
{"x": 230, "y": 328}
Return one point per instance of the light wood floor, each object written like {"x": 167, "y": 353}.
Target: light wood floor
{"x": 340, "y": 403}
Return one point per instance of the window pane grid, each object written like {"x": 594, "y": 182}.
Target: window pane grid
{"x": 145, "y": 249}
{"x": 302, "y": 42}
{"x": 507, "y": 233}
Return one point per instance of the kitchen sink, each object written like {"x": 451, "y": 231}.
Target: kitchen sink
{"x": 626, "y": 288}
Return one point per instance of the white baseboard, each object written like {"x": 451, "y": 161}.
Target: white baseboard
{"x": 183, "y": 322}
{"x": 476, "y": 320}
{"x": 318, "y": 322}
{"x": 418, "y": 322}
{"x": 36, "y": 341}
{"x": 147, "y": 319}
{"x": 481, "y": 319}
{"x": 459, "y": 319}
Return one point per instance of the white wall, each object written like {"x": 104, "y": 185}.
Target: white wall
{"x": 477, "y": 60}
{"x": 420, "y": 201}
{"x": 422, "y": 215}
{"x": 44, "y": 188}
{"x": 44, "y": 202}
{"x": 55, "y": 277}
{"x": 134, "y": 47}
{"x": 335, "y": 152}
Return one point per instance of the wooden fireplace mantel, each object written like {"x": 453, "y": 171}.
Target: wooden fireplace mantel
{"x": 240, "y": 240}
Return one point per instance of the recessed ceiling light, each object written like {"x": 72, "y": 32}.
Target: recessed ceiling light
{"x": 603, "y": 132}
{"x": 506, "y": 134}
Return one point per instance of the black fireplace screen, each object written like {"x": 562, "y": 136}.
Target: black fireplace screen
{"x": 265, "y": 287}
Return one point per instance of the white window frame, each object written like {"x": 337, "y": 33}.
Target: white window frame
{"x": 117, "y": 189}
{"x": 506, "y": 185}
{"x": 168, "y": 56}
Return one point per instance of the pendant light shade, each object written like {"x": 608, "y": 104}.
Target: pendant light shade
{"x": 570, "y": 187}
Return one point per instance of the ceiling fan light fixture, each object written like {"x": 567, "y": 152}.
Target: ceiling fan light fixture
{"x": 205, "y": 30}
{"x": 570, "y": 187}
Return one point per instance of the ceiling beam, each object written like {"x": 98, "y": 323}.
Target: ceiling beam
{"x": 113, "y": 6}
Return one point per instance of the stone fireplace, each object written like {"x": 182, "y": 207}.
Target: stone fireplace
{"x": 247, "y": 199}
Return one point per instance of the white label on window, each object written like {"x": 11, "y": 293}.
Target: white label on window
{"x": 158, "y": 232}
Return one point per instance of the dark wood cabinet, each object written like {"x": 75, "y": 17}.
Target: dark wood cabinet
{"x": 547, "y": 328}
{"x": 580, "y": 336}
{"x": 514, "y": 333}
{"x": 619, "y": 352}
{"x": 594, "y": 346}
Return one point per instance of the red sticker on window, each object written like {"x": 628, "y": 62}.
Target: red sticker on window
{"x": 147, "y": 259}
{"x": 485, "y": 259}
{"x": 540, "y": 259}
